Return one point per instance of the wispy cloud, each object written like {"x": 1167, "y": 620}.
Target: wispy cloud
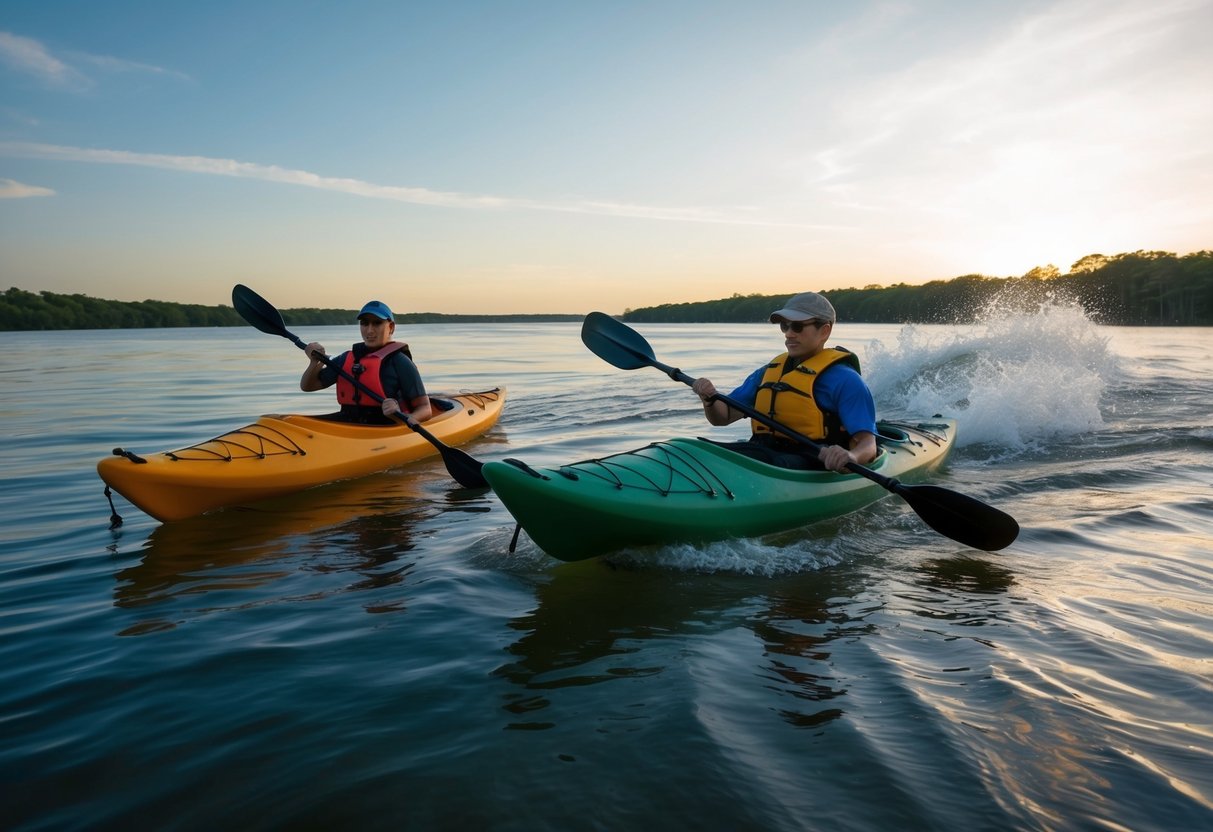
{"x": 1044, "y": 111}
{"x": 12, "y": 189}
{"x": 31, "y": 57}
{"x": 34, "y": 58}
{"x": 19, "y": 117}
{"x": 110, "y": 64}
{"x": 396, "y": 193}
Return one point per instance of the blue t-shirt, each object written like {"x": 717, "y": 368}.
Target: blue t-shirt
{"x": 838, "y": 389}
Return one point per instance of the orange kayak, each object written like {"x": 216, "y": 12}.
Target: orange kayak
{"x": 282, "y": 454}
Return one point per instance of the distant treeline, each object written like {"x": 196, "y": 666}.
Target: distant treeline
{"x": 22, "y": 310}
{"x": 1145, "y": 288}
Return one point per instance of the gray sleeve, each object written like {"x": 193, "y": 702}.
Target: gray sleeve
{"x": 401, "y": 380}
{"x": 328, "y": 374}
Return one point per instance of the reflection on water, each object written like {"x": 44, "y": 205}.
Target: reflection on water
{"x": 591, "y": 618}
{"x": 964, "y": 573}
{"x": 580, "y": 630}
{"x": 797, "y": 627}
{"x": 258, "y": 555}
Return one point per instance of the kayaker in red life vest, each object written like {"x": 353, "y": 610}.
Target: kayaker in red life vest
{"x": 811, "y": 388}
{"x": 379, "y": 363}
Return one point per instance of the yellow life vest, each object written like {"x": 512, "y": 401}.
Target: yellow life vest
{"x": 787, "y": 397}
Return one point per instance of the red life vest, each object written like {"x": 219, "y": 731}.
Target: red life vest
{"x": 366, "y": 370}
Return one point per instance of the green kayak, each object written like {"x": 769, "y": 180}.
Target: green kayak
{"x": 694, "y": 491}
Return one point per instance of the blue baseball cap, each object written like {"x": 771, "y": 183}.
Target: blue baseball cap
{"x": 377, "y": 308}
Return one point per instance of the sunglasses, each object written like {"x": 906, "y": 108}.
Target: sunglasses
{"x": 798, "y": 326}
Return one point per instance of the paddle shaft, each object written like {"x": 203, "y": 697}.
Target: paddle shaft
{"x": 954, "y": 515}
{"x": 328, "y": 362}
{"x": 261, "y": 313}
{"x": 854, "y": 467}
{"x": 462, "y": 467}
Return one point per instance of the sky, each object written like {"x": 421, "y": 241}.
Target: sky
{"x": 504, "y": 157}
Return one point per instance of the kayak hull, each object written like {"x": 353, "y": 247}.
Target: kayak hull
{"x": 283, "y": 454}
{"x": 694, "y": 491}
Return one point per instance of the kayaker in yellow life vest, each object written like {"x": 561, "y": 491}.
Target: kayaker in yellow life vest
{"x": 379, "y": 363}
{"x": 813, "y": 389}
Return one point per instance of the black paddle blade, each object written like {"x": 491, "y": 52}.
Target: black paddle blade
{"x": 463, "y": 468}
{"x": 258, "y": 311}
{"x": 960, "y": 517}
{"x": 616, "y": 343}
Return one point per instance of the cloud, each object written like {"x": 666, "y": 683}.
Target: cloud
{"x": 370, "y": 190}
{"x": 11, "y": 189}
{"x": 19, "y": 117}
{"x": 30, "y": 57}
{"x": 111, "y": 64}
{"x": 1095, "y": 89}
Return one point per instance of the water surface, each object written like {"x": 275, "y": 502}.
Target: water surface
{"x": 372, "y": 655}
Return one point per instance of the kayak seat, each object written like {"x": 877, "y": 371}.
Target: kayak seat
{"x": 788, "y": 455}
{"x": 888, "y": 433}
{"x": 438, "y": 405}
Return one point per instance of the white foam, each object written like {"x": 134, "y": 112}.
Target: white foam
{"x": 1016, "y": 378}
{"x": 750, "y": 556}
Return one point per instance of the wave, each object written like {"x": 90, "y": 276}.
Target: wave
{"x": 1017, "y": 380}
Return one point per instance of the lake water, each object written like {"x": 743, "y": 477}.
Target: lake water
{"x": 371, "y": 654}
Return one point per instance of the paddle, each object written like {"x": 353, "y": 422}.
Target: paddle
{"x": 261, "y": 313}
{"x": 953, "y": 515}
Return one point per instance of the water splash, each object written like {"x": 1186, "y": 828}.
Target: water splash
{"x": 1016, "y": 379}
{"x": 752, "y": 556}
